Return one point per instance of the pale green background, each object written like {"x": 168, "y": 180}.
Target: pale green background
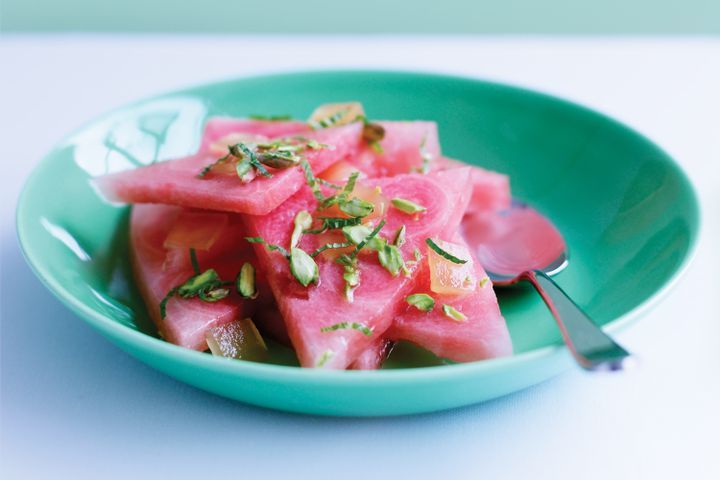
{"x": 365, "y": 16}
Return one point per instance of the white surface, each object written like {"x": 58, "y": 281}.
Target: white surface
{"x": 72, "y": 404}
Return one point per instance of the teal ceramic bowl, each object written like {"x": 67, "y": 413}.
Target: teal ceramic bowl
{"x": 628, "y": 213}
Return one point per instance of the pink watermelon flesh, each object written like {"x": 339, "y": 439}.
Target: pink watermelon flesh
{"x": 401, "y": 149}
{"x": 484, "y": 334}
{"x": 175, "y": 182}
{"x": 157, "y": 270}
{"x": 374, "y": 356}
{"x": 219, "y": 127}
{"x": 491, "y": 190}
{"x": 307, "y": 310}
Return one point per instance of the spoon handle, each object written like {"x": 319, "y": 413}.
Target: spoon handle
{"x": 592, "y": 348}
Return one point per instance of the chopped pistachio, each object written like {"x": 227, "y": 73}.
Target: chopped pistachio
{"x": 399, "y": 239}
{"x": 303, "y": 267}
{"x": 245, "y": 281}
{"x": 453, "y": 314}
{"x": 407, "y": 206}
{"x": 421, "y": 301}
{"x": 357, "y": 207}
{"x": 390, "y": 257}
{"x": 302, "y": 222}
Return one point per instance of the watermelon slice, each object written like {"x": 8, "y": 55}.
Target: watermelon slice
{"x": 491, "y": 190}
{"x": 403, "y": 148}
{"x": 374, "y": 356}
{"x": 307, "y": 310}
{"x": 158, "y": 269}
{"x": 218, "y": 128}
{"x": 175, "y": 182}
{"x": 480, "y": 335}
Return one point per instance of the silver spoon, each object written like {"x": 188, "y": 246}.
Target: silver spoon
{"x": 519, "y": 244}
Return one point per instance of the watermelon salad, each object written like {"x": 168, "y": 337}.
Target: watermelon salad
{"x": 337, "y": 237}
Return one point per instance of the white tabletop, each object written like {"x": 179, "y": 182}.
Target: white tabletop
{"x": 72, "y": 404}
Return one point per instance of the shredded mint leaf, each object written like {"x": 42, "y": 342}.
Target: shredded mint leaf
{"x": 443, "y": 253}
{"x": 329, "y": 184}
{"x": 367, "y": 239}
{"x": 269, "y": 246}
{"x": 240, "y": 149}
{"x": 312, "y": 181}
{"x": 329, "y": 246}
{"x": 347, "y": 325}
{"x": 206, "y": 169}
{"x": 328, "y": 121}
{"x": 357, "y": 233}
{"x": 453, "y": 314}
{"x": 421, "y": 301}
{"x": 270, "y": 118}
{"x": 194, "y": 261}
{"x": 163, "y": 302}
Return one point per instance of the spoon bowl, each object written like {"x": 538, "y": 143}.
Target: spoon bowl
{"x": 520, "y": 244}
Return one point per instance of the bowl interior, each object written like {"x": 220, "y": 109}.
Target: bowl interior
{"x": 627, "y": 212}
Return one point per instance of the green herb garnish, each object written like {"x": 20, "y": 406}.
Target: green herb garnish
{"x": 443, "y": 253}
{"x": 312, "y": 181}
{"x": 194, "y": 261}
{"x": 206, "y": 286}
{"x": 348, "y": 325}
{"x": 357, "y": 207}
{"x": 240, "y": 151}
{"x": 270, "y": 118}
{"x": 329, "y": 184}
{"x": 245, "y": 281}
{"x": 303, "y": 267}
{"x": 351, "y": 275}
{"x": 421, "y": 301}
{"x": 399, "y": 239}
{"x": 326, "y": 355}
{"x": 483, "y": 281}
{"x": 302, "y": 222}
{"x": 390, "y": 257}
{"x": 342, "y": 197}
{"x": 269, "y": 246}
{"x": 329, "y": 246}
{"x": 453, "y": 314}
{"x": 357, "y": 233}
{"x": 372, "y": 133}
{"x": 425, "y": 156}
{"x": 407, "y": 206}
{"x": 328, "y": 121}
{"x": 367, "y": 239}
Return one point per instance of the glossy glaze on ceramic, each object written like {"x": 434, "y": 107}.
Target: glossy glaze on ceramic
{"x": 628, "y": 214}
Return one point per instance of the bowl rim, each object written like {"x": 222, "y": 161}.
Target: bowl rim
{"x": 142, "y": 341}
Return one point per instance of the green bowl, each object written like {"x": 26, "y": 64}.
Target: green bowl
{"x": 627, "y": 211}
